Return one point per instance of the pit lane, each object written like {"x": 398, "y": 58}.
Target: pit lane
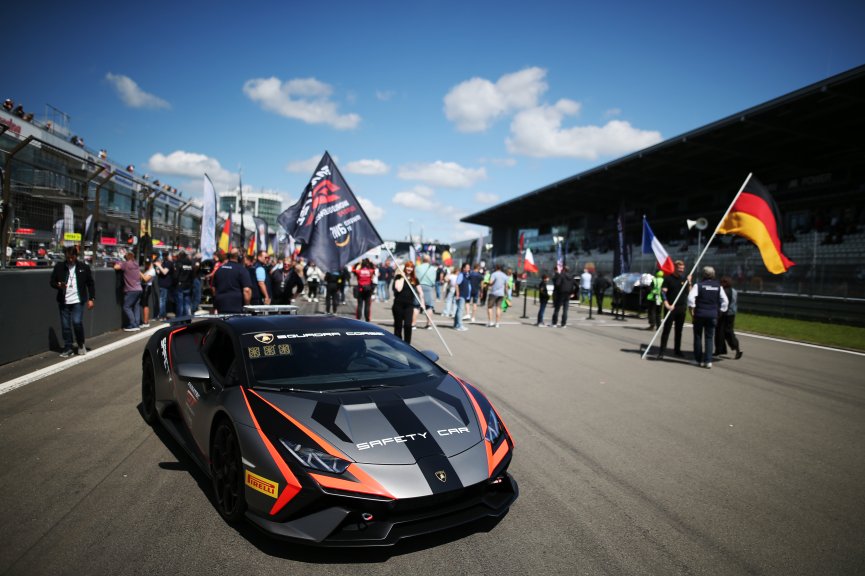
{"x": 625, "y": 466}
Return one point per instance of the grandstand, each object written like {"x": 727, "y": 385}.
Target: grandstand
{"x": 804, "y": 146}
{"x": 54, "y": 186}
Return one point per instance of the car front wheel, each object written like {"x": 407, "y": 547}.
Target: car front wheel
{"x": 148, "y": 392}
{"x": 227, "y": 472}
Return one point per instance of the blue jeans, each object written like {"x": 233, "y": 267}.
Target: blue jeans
{"x": 182, "y": 299}
{"x": 702, "y": 325}
{"x": 70, "y": 319}
{"x": 461, "y": 308}
{"x": 438, "y": 290}
{"x": 382, "y": 291}
{"x": 195, "y": 302}
{"x": 163, "y": 302}
{"x": 132, "y": 308}
{"x": 450, "y": 302}
{"x": 541, "y": 311}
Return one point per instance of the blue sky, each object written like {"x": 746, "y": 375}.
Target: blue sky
{"x": 433, "y": 110}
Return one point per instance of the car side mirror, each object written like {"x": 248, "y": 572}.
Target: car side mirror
{"x": 431, "y": 355}
{"x": 192, "y": 371}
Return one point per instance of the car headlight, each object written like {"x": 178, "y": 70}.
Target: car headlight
{"x": 494, "y": 429}
{"x": 314, "y": 458}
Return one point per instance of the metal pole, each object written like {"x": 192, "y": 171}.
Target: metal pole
{"x": 6, "y": 206}
{"x": 525, "y": 300}
{"x": 180, "y": 212}
{"x": 426, "y": 311}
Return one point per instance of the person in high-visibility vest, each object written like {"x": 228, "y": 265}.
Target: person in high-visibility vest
{"x": 655, "y": 298}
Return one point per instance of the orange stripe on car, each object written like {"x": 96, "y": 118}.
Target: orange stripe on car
{"x": 482, "y": 422}
{"x": 499, "y": 455}
{"x": 292, "y": 484}
{"x": 365, "y": 484}
{"x": 168, "y": 350}
{"x": 315, "y": 437}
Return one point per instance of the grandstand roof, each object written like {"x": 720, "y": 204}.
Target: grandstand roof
{"x": 810, "y": 131}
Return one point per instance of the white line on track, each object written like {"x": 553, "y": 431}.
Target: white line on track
{"x": 73, "y": 361}
{"x": 762, "y": 337}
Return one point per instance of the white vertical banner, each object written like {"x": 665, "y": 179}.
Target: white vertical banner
{"x": 68, "y": 219}
{"x": 208, "y": 220}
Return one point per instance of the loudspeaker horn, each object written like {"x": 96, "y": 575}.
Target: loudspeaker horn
{"x": 700, "y": 223}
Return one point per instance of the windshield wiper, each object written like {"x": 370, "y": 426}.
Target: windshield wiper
{"x": 281, "y": 389}
{"x": 364, "y": 387}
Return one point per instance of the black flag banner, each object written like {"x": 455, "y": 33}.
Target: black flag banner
{"x": 328, "y": 221}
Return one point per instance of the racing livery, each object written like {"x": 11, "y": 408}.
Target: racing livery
{"x": 327, "y": 430}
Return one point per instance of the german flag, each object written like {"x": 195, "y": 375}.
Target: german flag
{"x": 755, "y": 216}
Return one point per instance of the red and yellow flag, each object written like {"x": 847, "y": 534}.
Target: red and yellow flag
{"x": 755, "y": 216}
{"x": 225, "y": 238}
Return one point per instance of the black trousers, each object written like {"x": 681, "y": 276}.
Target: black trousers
{"x": 364, "y": 301}
{"x": 402, "y": 315}
{"x": 331, "y": 299}
{"x": 599, "y": 297}
{"x": 561, "y": 302}
{"x": 725, "y": 335}
{"x": 677, "y": 318}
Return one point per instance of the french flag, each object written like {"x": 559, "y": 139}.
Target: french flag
{"x": 530, "y": 265}
{"x": 652, "y": 245}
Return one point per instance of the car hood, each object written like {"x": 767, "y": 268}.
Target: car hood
{"x": 386, "y": 426}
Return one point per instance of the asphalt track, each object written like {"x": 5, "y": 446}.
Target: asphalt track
{"x": 625, "y": 466}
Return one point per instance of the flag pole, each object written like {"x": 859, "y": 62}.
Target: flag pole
{"x": 696, "y": 264}
{"x": 426, "y": 310}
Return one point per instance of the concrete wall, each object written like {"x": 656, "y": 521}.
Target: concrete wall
{"x": 30, "y": 319}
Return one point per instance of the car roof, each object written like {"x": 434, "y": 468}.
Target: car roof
{"x": 243, "y": 324}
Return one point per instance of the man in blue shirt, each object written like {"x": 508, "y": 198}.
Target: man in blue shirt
{"x": 462, "y": 295}
{"x": 232, "y": 287}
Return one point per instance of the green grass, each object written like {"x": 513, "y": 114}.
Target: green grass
{"x": 824, "y": 334}
{"x": 838, "y": 335}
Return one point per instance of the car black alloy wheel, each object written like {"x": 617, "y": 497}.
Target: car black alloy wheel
{"x": 227, "y": 473}
{"x": 148, "y": 392}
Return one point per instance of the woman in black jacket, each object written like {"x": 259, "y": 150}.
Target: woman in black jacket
{"x": 404, "y": 301}
{"x": 544, "y": 297}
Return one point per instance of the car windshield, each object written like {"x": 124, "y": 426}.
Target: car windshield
{"x": 334, "y": 361}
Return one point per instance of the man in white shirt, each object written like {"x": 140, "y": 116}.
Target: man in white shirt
{"x": 73, "y": 281}
{"x": 586, "y": 286}
{"x": 496, "y": 294}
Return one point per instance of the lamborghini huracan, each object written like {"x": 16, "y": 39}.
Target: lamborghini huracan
{"x": 326, "y": 430}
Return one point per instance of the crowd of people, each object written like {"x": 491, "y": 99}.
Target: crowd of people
{"x": 411, "y": 291}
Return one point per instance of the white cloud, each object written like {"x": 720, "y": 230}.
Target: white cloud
{"x": 538, "y": 132}
{"x": 475, "y": 104}
{"x": 305, "y": 99}
{"x": 367, "y": 167}
{"x": 613, "y": 112}
{"x": 418, "y": 198}
{"x": 384, "y": 95}
{"x": 446, "y": 174}
{"x": 192, "y": 165}
{"x": 375, "y": 213}
{"x": 307, "y": 166}
{"x": 486, "y": 197}
{"x": 132, "y": 95}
